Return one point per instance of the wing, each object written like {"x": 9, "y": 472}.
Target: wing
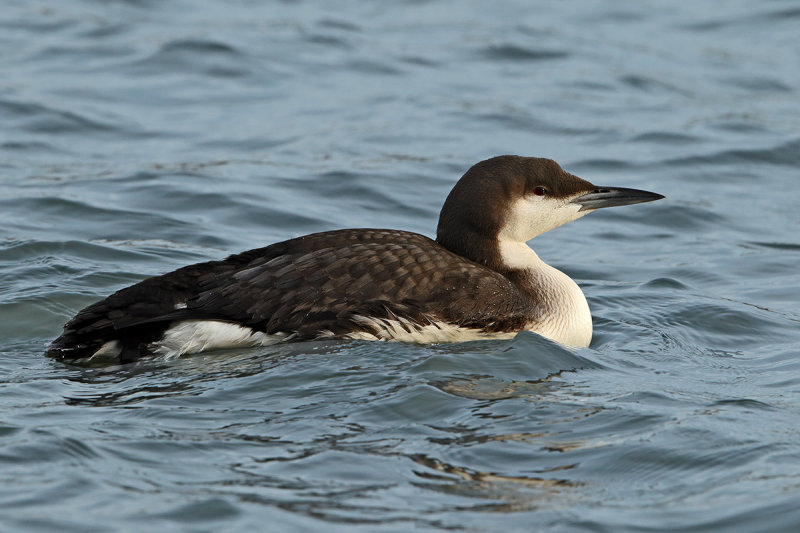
{"x": 315, "y": 283}
{"x": 381, "y": 273}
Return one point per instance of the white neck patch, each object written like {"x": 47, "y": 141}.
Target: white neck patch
{"x": 519, "y": 256}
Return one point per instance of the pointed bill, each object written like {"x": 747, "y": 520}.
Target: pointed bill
{"x": 614, "y": 196}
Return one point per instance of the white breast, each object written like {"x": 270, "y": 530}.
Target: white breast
{"x": 568, "y": 320}
{"x": 566, "y": 317}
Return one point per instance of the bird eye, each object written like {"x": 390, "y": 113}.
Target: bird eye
{"x": 539, "y": 191}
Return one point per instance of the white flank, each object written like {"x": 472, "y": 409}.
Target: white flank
{"x": 404, "y": 330}
{"x": 192, "y": 336}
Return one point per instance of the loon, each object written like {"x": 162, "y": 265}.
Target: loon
{"x": 479, "y": 279}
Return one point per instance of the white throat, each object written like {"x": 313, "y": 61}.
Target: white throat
{"x": 530, "y": 216}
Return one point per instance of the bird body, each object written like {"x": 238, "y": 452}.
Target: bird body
{"x": 478, "y": 279}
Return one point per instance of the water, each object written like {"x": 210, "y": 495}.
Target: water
{"x": 139, "y": 136}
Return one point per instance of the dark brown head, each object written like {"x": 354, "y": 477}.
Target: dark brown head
{"x": 513, "y": 199}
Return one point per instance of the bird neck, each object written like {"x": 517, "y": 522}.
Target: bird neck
{"x": 562, "y": 311}
{"x": 515, "y": 260}
{"x": 515, "y": 255}
{"x": 474, "y": 246}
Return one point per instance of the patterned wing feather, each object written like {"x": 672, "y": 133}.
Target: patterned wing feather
{"x": 311, "y": 284}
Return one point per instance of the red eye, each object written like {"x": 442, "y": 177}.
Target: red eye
{"x": 539, "y": 191}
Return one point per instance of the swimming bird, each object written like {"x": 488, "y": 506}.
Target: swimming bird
{"x": 479, "y": 279}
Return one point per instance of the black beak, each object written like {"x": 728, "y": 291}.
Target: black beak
{"x": 614, "y": 196}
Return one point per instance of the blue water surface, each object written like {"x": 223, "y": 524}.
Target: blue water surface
{"x": 138, "y": 136}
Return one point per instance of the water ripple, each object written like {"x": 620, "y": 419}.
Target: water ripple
{"x": 511, "y": 52}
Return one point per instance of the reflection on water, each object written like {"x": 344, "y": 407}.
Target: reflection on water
{"x": 488, "y": 388}
{"x": 512, "y": 493}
